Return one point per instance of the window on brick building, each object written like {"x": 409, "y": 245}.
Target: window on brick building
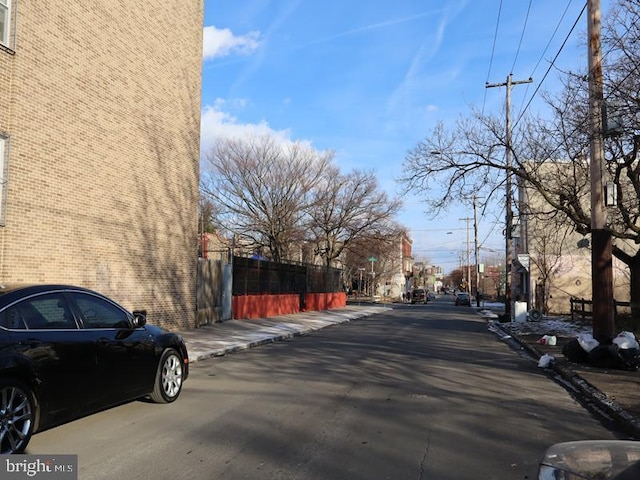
{"x": 4, "y": 162}
{"x": 4, "y": 21}
{"x": 7, "y": 22}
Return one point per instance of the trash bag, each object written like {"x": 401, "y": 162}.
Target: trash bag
{"x": 587, "y": 342}
{"x": 631, "y": 358}
{"x": 626, "y": 340}
{"x": 548, "y": 340}
{"x": 607, "y": 356}
{"x": 546, "y": 360}
{"x": 574, "y": 352}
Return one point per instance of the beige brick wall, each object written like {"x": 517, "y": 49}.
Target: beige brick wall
{"x": 104, "y": 118}
{"x": 556, "y": 247}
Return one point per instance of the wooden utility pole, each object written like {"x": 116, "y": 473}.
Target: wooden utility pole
{"x": 475, "y": 248}
{"x": 601, "y": 253}
{"x": 509, "y": 195}
{"x": 468, "y": 258}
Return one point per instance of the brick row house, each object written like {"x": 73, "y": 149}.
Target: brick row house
{"x": 99, "y": 149}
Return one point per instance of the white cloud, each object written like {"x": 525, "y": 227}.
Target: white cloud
{"x": 216, "y": 124}
{"x": 222, "y": 42}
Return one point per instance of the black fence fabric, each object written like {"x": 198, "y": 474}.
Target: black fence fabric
{"x": 254, "y": 277}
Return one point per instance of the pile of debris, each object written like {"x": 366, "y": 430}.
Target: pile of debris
{"x": 622, "y": 354}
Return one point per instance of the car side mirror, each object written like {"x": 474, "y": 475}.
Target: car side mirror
{"x": 139, "y": 318}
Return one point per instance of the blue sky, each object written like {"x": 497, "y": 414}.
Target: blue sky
{"x": 370, "y": 79}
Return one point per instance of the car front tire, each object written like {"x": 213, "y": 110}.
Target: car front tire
{"x": 169, "y": 378}
{"x": 17, "y": 415}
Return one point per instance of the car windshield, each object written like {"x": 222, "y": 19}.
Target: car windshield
{"x": 591, "y": 460}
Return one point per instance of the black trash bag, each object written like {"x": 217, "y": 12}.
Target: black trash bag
{"x": 574, "y": 352}
{"x": 607, "y": 356}
{"x": 631, "y": 358}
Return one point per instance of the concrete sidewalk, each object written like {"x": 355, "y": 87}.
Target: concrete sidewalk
{"x": 234, "y": 335}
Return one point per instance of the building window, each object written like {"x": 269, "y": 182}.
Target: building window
{"x": 4, "y": 21}
{"x": 4, "y": 163}
{"x": 7, "y": 23}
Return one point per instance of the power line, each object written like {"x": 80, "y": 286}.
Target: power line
{"x": 524, "y": 28}
{"x": 493, "y": 50}
{"x": 546, "y": 48}
{"x": 555, "y": 31}
{"x": 615, "y": 87}
{"x": 551, "y": 65}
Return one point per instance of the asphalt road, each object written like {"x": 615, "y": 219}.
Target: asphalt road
{"x": 420, "y": 392}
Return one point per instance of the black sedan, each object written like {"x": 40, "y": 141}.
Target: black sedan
{"x": 67, "y": 352}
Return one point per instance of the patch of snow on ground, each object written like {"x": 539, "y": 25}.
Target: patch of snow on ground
{"x": 547, "y": 325}
{"x": 558, "y": 326}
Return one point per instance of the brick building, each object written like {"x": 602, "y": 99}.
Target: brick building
{"x": 557, "y": 259}
{"x": 99, "y": 143}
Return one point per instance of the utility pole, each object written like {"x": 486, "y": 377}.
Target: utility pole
{"x": 508, "y": 198}
{"x": 468, "y": 258}
{"x": 475, "y": 248}
{"x": 601, "y": 252}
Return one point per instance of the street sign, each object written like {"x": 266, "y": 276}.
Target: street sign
{"x": 373, "y": 259}
{"x": 523, "y": 259}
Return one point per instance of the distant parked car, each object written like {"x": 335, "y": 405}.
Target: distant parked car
{"x": 418, "y": 295}
{"x": 431, "y": 296}
{"x": 67, "y": 352}
{"x": 463, "y": 299}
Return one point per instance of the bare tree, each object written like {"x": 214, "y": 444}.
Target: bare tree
{"x": 381, "y": 244}
{"x": 346, "y": 207}
{"x": 546, "y": 250}
{"x": 455, "y": 277}
{"x": 551, "y": 155}
{"x": 262, "y": 188}
{"x": 206, "y": 216}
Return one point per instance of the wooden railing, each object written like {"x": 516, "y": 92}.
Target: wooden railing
{"x": 584, "y": 308}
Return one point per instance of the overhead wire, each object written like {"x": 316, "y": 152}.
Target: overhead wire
{"x": 615, "y": 87}
{"x": 551, "y": 65}
{"x": 553, "y": 35}
{"x": 546, "y": 48}
{"x": 524, "y": 29}
{"x": 493, "y": 51}
{"x": 542, "y": 56}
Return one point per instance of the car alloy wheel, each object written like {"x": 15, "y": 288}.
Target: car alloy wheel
{"x": 16, "y": 417}
{"x": 169, "y": 378}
